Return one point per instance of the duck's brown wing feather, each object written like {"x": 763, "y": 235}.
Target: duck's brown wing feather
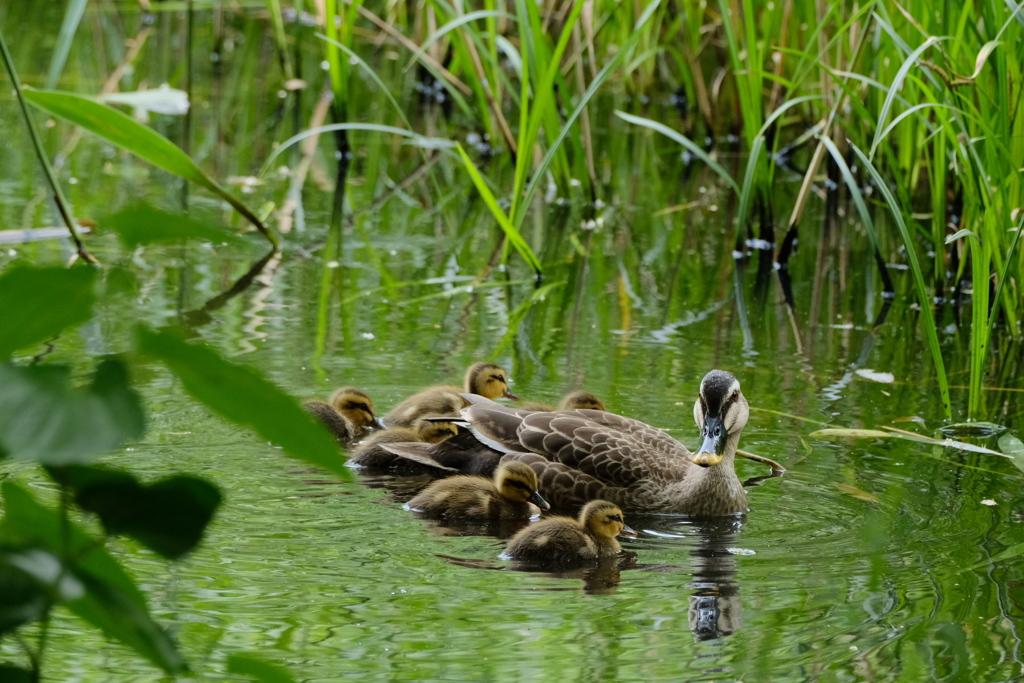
{"x": 615, "y": 450}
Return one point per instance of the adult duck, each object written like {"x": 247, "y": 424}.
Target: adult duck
{"x": 584, "y": 455}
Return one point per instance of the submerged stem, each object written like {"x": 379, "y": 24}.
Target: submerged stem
{"x": 58, "y": 195}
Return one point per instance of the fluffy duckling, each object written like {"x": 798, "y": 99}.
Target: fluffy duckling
{"x": 567, "y": 540}
{"x": 371, "y": 452}
{"x": 484, "y": 379}
{"x": 348, "y": 413}
{"x": 512, "y": 494}
{"x": 576, "y": 400}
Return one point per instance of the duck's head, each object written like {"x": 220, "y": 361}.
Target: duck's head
{"x": 720, "y": 412}
{"x": 517, "y": 481}
{"x": 488, "y": 380}
{"x": 355, "y": 405}
{"x": 580, "y": 400}
{"x": 433, "y": 432}
{"x": 602, "y": 518}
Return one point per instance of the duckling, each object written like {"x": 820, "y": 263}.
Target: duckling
{"x": 576, "y": 400}
{"x": 371, "y": 453}
{"x": 484, "y": 379}
{"x": 348, "y": 413}
{"x": 568, "y": 540}
{"x": 512, "y": 494}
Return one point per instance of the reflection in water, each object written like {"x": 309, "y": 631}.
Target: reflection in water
{"x": 715, "y": 609}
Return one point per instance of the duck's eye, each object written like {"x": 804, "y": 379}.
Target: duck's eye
{"x": 363, "y": 406}
{"x": 519, "y": 485}
{"x": 615, "y": 518}
{"x": 498, "y": 378}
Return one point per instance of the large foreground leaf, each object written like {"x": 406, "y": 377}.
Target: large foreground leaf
{"x": 110, "y": 600}
{"x": 254, "y": 667}
{"x": 168, "y": 516}
{"x": 43, "y": 418}
{"x": 144, "y": 142}
{"x": 37, "y": 303}
{"x": 244, "y": 396}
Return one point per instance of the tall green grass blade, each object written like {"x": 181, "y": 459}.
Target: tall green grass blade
{"x": 749, "y": 178}
{"x": 542, "y": 103}
{"x": 684, "y": 141}
{"x": 897, "y": 83}
{"x": 419, "y": 140}
{"x": 368, "y": 70}
{"x": 592, "y": 89}
{"x": 451, "y": 26}
{"x": 68, "y": 28}
{"x": 511, "y": 232}
{"x": 144, "y": 142}
{"x": 858, "y": 200}
{"x": 923, "y": 297}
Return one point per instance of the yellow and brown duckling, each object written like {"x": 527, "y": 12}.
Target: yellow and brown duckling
{"x": 371, "y": 453}
{"x": 484, "y": 379}
{"x": 575, "y": 400}
{"x": 512, "y": 494}
{"x": 348, "y": 413}
{"x": 565, "y": 540}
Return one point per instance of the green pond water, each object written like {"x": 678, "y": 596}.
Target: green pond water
{"x": 870, "y": 560}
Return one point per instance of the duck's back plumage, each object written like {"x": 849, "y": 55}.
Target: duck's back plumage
{"x": 583, "y": 455}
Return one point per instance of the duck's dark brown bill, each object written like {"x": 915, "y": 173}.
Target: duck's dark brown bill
{"x": 627, "y": 532}
{"x": 539, "y": 501}
{"x": 715, "y": 436}
{"x": 509, "y": 394}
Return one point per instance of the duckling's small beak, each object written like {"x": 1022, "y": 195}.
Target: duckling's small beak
{"x": 710, "y": 452}
{"x": 627, "y": 532}
{"x": 378, "y": 424}
{"x": 509, "y": 394}
{"x": 539, "y": 501}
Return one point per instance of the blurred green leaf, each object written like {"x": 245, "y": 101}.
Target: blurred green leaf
{"x": 14, "y": 674}
{"x": 109, "y": 609}
{"x": 1013, "y": 447}
{"x": 110, "y": 601}
{"x": 23, "y": 598}
{"x": 28, "y": 523}
{"x": 119, "y": 280}
{"x": 43, "y": 418}
{"x": 168, "y": 516}
{"x": 265, "y": 672}
{"x": 244, "y": 396}
{"x": 37, "y": 303}
{"x": 844, "y": 433}
{"x": 144, "y": 225}
{"x": 144, "y": 142}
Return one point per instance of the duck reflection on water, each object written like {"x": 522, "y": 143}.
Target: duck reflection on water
{"x": 715, "y": 609}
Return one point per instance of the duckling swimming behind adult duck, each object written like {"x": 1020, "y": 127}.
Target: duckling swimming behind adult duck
{"x": 566, "y": 540}
{"x": 484, "y": 379}
{"x": 512, "y": 494}
{"x": 575, "y": 400}
{"x": 347, "y": 415}
{"x": 371, "y": 452}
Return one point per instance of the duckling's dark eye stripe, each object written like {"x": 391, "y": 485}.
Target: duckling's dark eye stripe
{"x": 520, "y": 485}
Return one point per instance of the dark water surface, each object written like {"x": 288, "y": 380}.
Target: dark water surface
{"x": 870, "y": 560}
